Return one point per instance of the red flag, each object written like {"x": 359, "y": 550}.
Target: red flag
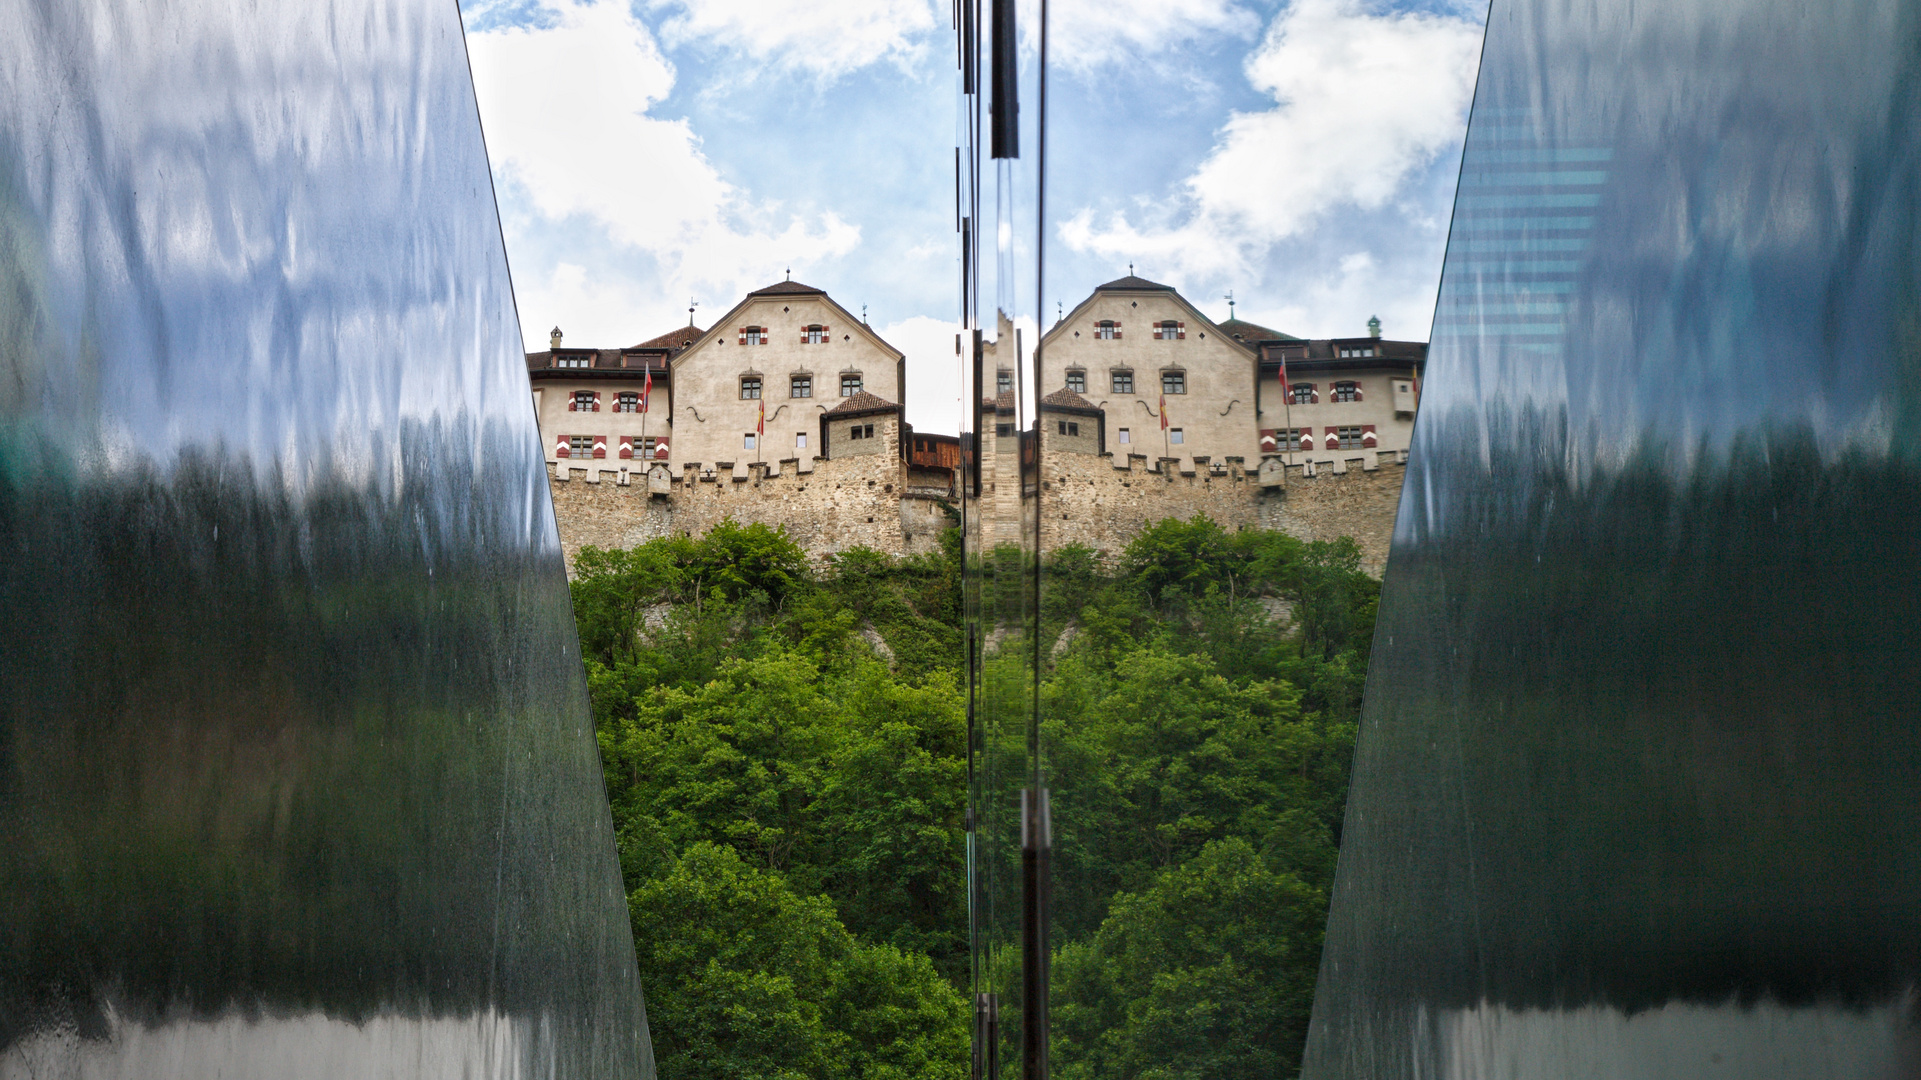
{"x": 1163, "y": 412}
{"x": 647, "y": 391}
{"x": 760, "y": 426}
{"x": 1287, "y": 392}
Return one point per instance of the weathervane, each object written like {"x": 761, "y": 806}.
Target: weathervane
{"x": 691, "y": 305}
{"x": 863, "y": 314}
{"x": 1230, "y": 303}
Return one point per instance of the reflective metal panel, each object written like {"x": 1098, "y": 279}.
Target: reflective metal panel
{"x": 296, "y": 770}
{"x": 1634, "y": 787}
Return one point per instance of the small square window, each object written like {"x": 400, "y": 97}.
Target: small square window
{"x": 849, "y": 385}
{"x": 750, "y": 388}
{"x": 1123, "y": 382}
{"x": 801, "y": 386}
{"x": 1174, "y": 436}
{"x": 1073, "y": 428}
{"x": 747, "y": 442}
{"x": 800, "y": 440}
{"x": 1173, "y": 382}
{"x": 1125, "y": 438}
{"x": 1077, "y": 381}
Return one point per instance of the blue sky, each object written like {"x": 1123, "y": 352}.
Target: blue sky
{"x": 651, "y": 153}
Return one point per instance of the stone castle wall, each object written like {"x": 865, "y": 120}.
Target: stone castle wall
{"x": 877, "y": 501}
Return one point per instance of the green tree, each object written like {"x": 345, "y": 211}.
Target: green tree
{"x": 748, "y": 980}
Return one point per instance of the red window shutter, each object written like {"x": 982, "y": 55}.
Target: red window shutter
{"x": 660, "y": 449}
{"x": 596, "y": 401}
{"x": 1269, "y": 440}
{"x": 1332, "y": 439}
{"x": 1367, "y": 435}
{"x": 743, "y": 335}
{"x": 1307, "y": 438}
{"x": 1180, "y": 331}
{"x": 626, "y": 446}
{"x": 600, "y": 446}
{"x": 560, "y": 447}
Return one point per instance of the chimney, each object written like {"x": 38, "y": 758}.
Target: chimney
{"x": 553, "y": 339}
{"x": 1373, "y": 328}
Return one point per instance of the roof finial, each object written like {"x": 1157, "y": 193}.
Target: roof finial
{"x": 1374, "y": 326}
{"x": 553, "y": 339}
{"x": 1130, "y": 268}
{"x": 863, "y": 314}
{"x": 1230, "y": 303}
{"x": 790, "y": 273}
{"x": 1058, "y": 315}
{"x": 691, "y": 305}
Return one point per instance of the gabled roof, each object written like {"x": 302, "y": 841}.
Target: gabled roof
{"x": 862, "y": 403}
{"x": 1002, "y": 402}
{"x": 1131, "y": 282}
{"x": 1065, "y": 400}
{"x": 1242, "y": 330}
{"x": 788, "y": 288}
{"x": 678, "y": 338}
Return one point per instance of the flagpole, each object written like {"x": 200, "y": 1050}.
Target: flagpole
{"x": 646, "y": 405}
{"x": 1287, "y": 417}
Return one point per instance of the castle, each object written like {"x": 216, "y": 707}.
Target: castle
{"x": 788, "y": 410}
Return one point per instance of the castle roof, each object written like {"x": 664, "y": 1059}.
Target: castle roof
{"x": 788, "y": 288}
{"x": 678, "y": 338}
{"x": 1065, "y": 400}
{"x": 861, "y": 404}
{"x": 1242, "y": 330}
{"x": 1133, "y": 283}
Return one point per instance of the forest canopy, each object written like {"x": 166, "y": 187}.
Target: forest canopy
{"x": 785, "y": 751}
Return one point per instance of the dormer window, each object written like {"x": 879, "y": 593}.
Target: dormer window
{"x": 1347, "y": 391}
{"x": 1170, "y": 330}
{"x": 815, "y": 335}
{"x": 753, "y": 335}
{"x": 1358, "y": 350}
{"x": 585, "y": 360}
{"x": 850, "y": 384}
{"x": 1107, "y": 330}
{"x": 628, "y": 401}
{"x": 750, "y": 388}
{"x": 1077, "y": 381}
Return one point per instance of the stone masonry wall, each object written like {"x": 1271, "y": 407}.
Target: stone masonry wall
{"x": 876, "y": 501}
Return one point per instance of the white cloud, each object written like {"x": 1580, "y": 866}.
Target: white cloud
{"x": 1362, "y": 102}
{"x": 1084, "y": 35}
{"x": 565, "y": 106}
{"x": 825, "y": 39}
{"x": 933, "y": 371}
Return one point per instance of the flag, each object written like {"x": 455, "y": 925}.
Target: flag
{"x": 760, "y": 426}
{"x": 647, "y": 391}
{"x": 1163, "y": 411}
{"x": 1287, "y": 392}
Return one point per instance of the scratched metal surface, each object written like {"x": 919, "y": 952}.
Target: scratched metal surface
{"x": 1636, "y": 782}
{"x": 297, "y": 775}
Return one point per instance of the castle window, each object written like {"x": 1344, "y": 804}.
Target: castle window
{"x": 1068, "y": 427}
{"x": 1004, "y": 430}
{"x": 584, "y": 401}
{"x": 1350, "y": 437}
{"x": 1347, "y": 391}
{"x": 861, "y": 431}
{"x": 750, "y": 388}
{"x": 645, "y": 446}
{"x": 1304, "y": 394}
{"x": 1125, "y": 438}
{"x": 1291, "y": 438}
{"x": 580, "y": 446}
{"x": 801, "y": 386}
{"x": 747, "y": 441}
{"x": 1169, "y": 330}
{"x": 800, "y": 440}
{"x": 816, "y": 335}
{"x": 1173, "y": 382}
{"x": 1175, "y": 436}
{"x": 628, "y": 401}
{"x": 849, "y": 385}
{"x": 1107, "y": 330}
{"x": 1077, "y": 381}
{"x": 574, "y": 361}
{"x": 1123, "y": 381}
{"x": 753, "y": 335}
{"x": 1004, "y": 381}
